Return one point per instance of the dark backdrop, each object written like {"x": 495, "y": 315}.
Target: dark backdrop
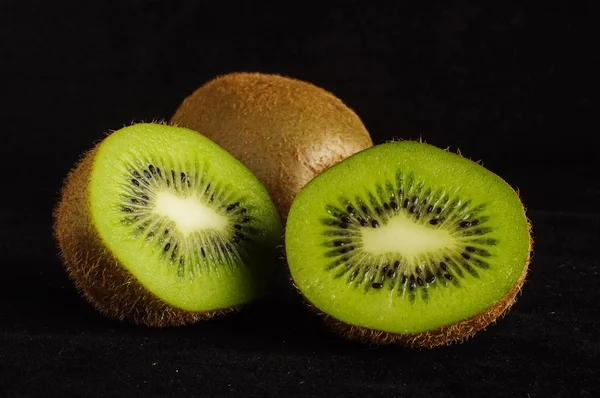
{"x": 511, "y": 84}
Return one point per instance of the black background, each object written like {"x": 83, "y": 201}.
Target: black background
{"x": 511, "y": 84}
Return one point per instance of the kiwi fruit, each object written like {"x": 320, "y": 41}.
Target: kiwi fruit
{"x": 159, "y": 226}
{"x": 286, "y": 131}
{"x": 408, "y": 243}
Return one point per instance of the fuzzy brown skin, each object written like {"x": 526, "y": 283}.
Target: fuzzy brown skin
{"x": 97, "y": 274}
{"x": 456, "y": 332}
{"x": 284, "y": 130}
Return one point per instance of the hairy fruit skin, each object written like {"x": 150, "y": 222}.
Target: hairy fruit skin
{"x": 452, "y": 331}
{"x": 457, "y": 332}
{"x": 97, "y": 274}
{"x": 284, "y": 130}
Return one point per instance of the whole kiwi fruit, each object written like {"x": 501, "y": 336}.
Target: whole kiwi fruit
{"x": 286, "y": 131}
{"x": 407, "y": 243}
{"x": 159, "y": 226}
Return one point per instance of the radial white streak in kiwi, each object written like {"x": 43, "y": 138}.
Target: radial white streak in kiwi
{"x": 189, "y": 214}
{"x": 403, "y": 236}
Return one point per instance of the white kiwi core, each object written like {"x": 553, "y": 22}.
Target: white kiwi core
{"x": 402, "y": 235}
{"x": 189, "y": 214}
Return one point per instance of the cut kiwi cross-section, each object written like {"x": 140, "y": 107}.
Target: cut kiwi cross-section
{"x": 159, "y": 225}
{"x": 408, "y": 243}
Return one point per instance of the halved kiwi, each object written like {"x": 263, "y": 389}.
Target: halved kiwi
{"x": 284, "y": 130}
{"x": 407, "y": 243}
{"x": 160, "y": 226}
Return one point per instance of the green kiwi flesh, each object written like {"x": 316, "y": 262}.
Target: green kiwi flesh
{"x": 160, "y": 226}
{"x": 284, "y": 130}
{"x": 407, "y": 243}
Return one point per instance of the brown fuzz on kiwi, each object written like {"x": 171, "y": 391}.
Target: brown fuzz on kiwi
{"x": 405, "y": 243}
{"x": 159, "y": 248}
{"x": 104, "y": 282}
{"x": 286, "y": 131}
{"x": 457, "y": 332}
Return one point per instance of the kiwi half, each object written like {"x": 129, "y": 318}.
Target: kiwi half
{"x": 160, "y": 226}
{"x": 407, "y": 243}
{"x": 286, "y": 131}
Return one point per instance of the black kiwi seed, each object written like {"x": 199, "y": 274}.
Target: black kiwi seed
{"x": 403, "y": 281}
{"x": 343, "y": 225}
{"x": 386, "y": 206}
{"x": 147, "y": 174}
{"x": 465, "y": 256}
{"x": 135, "y": 182}
{"x": 430, "y": 278}
{"x": 378, "y": 211}
{"x": 412, "y": 283}
{"x": 338, "y": 243}
{"x": 482, "y": 253}
{"x": 412, "y": 209}
{"x": 434, "y": 221}
{"x": 448, "y": 276}
{"x": 405, "y": 204}
{"x": 233, "y": 206}
{"x": 237, "y": 226}
{"x": 183, "y": 177}
{"x": 443, "y": 266}
{"x": 464, "y": 224}
{"x": 351, "y": 210}
{"x": 202, "y": 252}
{"x": 365, "y": 210}
{"x": 391, "y": 274}
{"x": 235, "y": 239}
{"x": 152, "y": 169}
{"x": 345, "y": 219}
{"x": 136, "y": 174}
{"x": 374, "y": 223}
{"x": 145, "y": 197}
{"x": 377, "y": 285}
{"x": 362, "y": 221}
{"x": 420, "y": 282}
{"x": 394, "y": 205}
{"x": 167, "y": 247}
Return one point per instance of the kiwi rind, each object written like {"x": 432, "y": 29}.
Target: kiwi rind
{"x": 458, "y": 331}
{"x": 97, "y": 273}
{"x": 105, "y": 282}
{"x": 286, "y": 131}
